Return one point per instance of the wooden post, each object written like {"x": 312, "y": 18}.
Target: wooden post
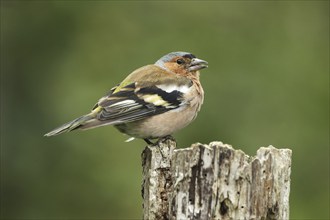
{"x": 215, "y": 182}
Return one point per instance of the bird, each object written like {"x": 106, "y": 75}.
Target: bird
{"x": 152, "y": 102}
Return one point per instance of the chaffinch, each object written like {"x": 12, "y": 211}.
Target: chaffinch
{"x": 154, "y": 101}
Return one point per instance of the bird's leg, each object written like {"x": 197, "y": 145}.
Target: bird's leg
{"x": 148, "y": 141}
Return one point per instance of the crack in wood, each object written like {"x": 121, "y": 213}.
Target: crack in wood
{"x": 215, "y": 182}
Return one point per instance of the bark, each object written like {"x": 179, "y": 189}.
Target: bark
{"x": 215, "y": 182}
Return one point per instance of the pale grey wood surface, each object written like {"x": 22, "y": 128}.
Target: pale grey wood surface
{"x": 215, "y": 182}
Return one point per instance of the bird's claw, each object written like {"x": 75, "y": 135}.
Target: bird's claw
{"x": 160, "y": 140}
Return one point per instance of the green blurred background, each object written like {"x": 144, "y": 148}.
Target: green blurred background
{"x": 267, "y": 84}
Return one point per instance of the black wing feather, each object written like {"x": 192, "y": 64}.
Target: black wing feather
{"x": 127, "y": 106}
{"x": 173, "y": 98}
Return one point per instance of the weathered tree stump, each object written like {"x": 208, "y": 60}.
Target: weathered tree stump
{"x": 215, "y": 182}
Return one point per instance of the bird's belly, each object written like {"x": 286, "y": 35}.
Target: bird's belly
{"x": 159, "y": 125}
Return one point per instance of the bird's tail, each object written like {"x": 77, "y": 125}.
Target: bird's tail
{"x": 72, "y": 125}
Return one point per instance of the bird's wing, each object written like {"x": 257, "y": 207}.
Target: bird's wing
{"x": 142, "y": 98}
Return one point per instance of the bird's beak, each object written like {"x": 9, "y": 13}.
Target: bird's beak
{"x": 197, "y": 64}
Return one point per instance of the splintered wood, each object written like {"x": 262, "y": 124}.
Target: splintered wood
{"x": 215, "y": 182}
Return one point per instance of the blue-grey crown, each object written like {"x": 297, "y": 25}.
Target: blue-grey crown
{"x": 171, "y": 55}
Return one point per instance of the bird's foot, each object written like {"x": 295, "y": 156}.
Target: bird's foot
{"x": 158, "y": 143}
{"x": 160, "y": 140}
{"x": 166, "y": 138}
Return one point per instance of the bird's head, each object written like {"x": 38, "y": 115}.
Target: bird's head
{"x": 181, "y": 63}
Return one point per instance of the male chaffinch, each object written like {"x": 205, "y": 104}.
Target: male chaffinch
{"x": 154, "y": 101}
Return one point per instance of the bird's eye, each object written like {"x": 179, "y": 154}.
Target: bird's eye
{"x": 180, "y": 61}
